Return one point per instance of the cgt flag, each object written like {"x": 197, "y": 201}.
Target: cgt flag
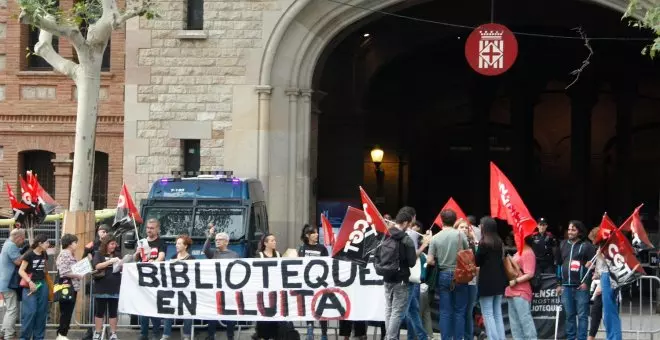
{"x": 328, "y": 233}
{"x": 506, "y": 204}
{"x": 451, "y": 205}
{"x": 620, "y": 258}
{"x": 373, "y": 216}
{"x": 634, "y": 224}
{"x": 18, "y": 208}
{"x": 126, "y": 210}
{"x": 357, "y": 238}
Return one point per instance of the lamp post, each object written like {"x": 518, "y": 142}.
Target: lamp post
{"x": 377, "y": 158}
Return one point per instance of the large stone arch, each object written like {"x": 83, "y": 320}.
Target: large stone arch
{"x": 285, "y": 100}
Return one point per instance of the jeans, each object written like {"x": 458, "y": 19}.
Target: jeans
{"x": 412, "y": 316}
{"x": 144, "y": 325}
{"x": 167, "y": 327}
{"x": 469, "y": 317}
{"x": 491, "y": 309}
{"x": 425, "y": 309}
{"x": 453, "y": 303}
{"x": 520, "y": 319}
{"x": 230, "y": 328}
{"x": 610, "y": 309}
{"x": 34, "y": 313}
{"x": 576, "y": 307}
{"x": 11, "y": 313}
{"x": 66, "y": 312}
{"x": 396, "y": 301}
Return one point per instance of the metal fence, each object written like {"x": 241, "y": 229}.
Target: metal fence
{"x": 52, "y": 229}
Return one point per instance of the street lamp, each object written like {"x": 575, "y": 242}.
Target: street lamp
{"x": 377, "y": 157}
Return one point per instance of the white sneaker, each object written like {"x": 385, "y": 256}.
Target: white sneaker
{"x": 113, "y": 336}
{"x": 61, "y": 337}
{"x": 97, "y": 336}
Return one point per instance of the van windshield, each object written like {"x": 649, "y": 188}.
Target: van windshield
{"x": 175, "y": 221}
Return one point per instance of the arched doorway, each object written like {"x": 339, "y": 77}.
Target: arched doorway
{"x": 40, "y": 163}
{"x": 297, "y": 53}
{"x": 100, "y": 181}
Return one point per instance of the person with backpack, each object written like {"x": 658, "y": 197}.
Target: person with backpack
{"x": 446, "y": 247}
{"x": 394, "y": 258}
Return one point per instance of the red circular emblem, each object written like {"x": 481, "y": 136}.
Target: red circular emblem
{"x": 491, "y": 49}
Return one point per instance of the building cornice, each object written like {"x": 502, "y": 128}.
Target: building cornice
{"x": 56, "y": 119}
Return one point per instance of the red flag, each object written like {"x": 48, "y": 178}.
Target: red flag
{"x": 357, "y": 238}
{"x": 451, "y": 205}
{"x": 621, "y": 259}
{"x": 126, "y": 210}
{"x": 634, "y": 224}
{"x": 373, "y": 216}
{"x": 28, "y": 192}
{"x": 18, "y": 208}
{"x": 607, "y": 227}
{"x": 328, "y": 233}
{"x": 506, "y": 204}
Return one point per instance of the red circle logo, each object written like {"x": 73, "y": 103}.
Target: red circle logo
{"x": 491, "y": 49}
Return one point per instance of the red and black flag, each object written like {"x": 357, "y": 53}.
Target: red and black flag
{"x": 126, "y": 210}
{"x": 634, "y": 224}
{"x": 372, "y": 214}
{"x": 18, "y": 208}
{"x": 357, "y": 239}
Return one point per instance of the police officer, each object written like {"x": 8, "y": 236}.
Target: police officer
{"x": 545, "y": 245}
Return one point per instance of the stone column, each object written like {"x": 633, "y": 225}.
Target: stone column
{"x": 263, "y": 152}
{"x": 583, "y": 99}
{"x": 317, "y": 96}
{"x": 63, "y": 165}
{"x": 293, "y": 218}
{"x": 306, "y": 129}
{"x": 625, "y": 92}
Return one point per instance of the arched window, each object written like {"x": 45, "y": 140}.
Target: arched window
{"x": 40, "y": 162}
{"x": 100, "y": 183}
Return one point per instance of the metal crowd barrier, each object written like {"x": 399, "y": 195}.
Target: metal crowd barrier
{"x": 640, "y": 316}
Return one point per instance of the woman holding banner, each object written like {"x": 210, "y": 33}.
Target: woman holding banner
{"x": 311, "y": 247}
{"x": 183, "y": 243}
{"x": 267, "y": 249}
{"x": 106, "y": 286}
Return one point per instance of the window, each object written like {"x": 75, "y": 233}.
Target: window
{"x": 35, "y": 62}
{"x": 225, "y": 220}
{"x": 191, "y": 159}
{"x": 105, "y": 63}
{"x": 174, "y": 221}
{"x": 40, "y": 162}
{"x": 100, "y": 186}
{"x": 195, "y": 18}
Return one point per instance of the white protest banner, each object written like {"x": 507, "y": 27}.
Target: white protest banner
{"x": 298, "y": 289}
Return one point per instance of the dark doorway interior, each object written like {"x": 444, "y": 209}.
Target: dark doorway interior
{"x": 572, "y": 154}
{"x": 40, "y": 163}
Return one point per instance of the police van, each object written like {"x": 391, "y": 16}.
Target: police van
{"x": 187, "y": 202}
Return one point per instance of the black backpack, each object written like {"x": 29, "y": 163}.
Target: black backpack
{"x": 388, "y": 258}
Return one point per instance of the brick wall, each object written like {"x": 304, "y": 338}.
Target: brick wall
{"x": 38, "y": 108}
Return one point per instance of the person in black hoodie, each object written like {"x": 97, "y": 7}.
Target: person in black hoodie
{"x": 311, "y": 247}
{"x": 573, "y": 283}
{"x": 394, "y": 258}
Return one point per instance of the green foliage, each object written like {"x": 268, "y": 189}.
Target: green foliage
{"x": 647, "y": 17}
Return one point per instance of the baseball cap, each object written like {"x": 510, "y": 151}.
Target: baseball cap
{"x": 542, "y": 221}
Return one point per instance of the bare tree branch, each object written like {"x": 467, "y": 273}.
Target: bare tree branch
{"x": 585, "y": 62}
{"x": 134, "y": 10}
{"x": 49, "y": 24}
{"x": 44, "y": 48}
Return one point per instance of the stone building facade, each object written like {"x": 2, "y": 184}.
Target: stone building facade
{"x": 38, "y": 112}
{"x": 243, "y": 86}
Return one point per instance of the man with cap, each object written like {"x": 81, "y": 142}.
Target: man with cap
{"x": 545, "y": 247}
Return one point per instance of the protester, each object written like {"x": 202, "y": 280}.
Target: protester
{"x": 604, "y": 299}
{"x": 92, "y": 247}
{"x": 151, "y": 249}
{"x": 65, "y": 260}
{"x": 545, "y": 246}
{"x": 107, "y": 281}
{"x": 492, "y": 278}
{"x": 425, "y": 293}
{"x": 221, "y": 251}
{"x": 10, "y": 260}
{"x": 573, "y": 283}
{"x": 267, "y": 249}
{"x": 311, "y": 247}
{"x": 467, "y": 229}
{"x": 519, "y": 295}
{"x": 359, "y": 329}
{"x": 34, "y": 306}
{"x": 394, "y": 258}
{"x": 453, "y": 297}
{"x": 183, "y": 243}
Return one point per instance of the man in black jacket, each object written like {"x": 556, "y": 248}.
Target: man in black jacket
{"x": 573, "y": 259}
{"x": 398, "y": 247}
{"x": 545, "y": 247}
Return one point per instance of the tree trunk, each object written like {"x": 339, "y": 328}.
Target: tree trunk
{"x": 88, "y": 83}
